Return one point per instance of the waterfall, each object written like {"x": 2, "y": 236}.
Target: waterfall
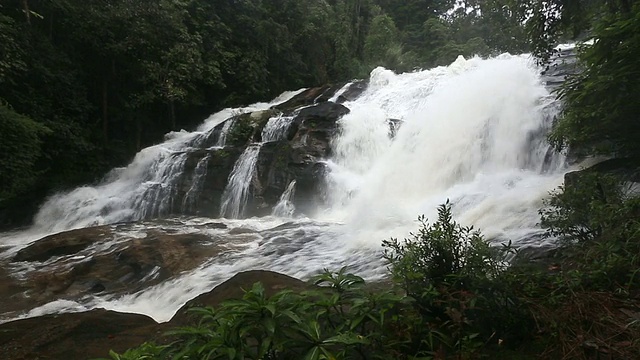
{"x": 159, "y": 192}
{"x": 234, "y": 198}
{"x": 200, "y": 173}
{"x": 276, "y": 128}
{"x": 285, "y": 207}
{"x": 145, "y": 188}
{"x": 222, "y": 137}
{"x": 473, "y": 132}
{"x": 236, "y": 193}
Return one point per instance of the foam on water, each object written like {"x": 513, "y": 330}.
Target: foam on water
{"x": 472, "y": 132}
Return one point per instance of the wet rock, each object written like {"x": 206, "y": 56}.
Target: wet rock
{"x": 354, "y": 91}
{"x": 234, "y": 289}
{"x": 84, "y": 335}
{"x": 94, "y": 333}
{"x": 299, "y": 158}
{"x": 206, "y": 200}
{"x": 65, "y": 243}
{"x": 240, "y": 231}
{"x": 394, "y": 126}
{"x": 117, "y": 267}
{"x": 625, "y": 169}
{"x": 309, "y": 97}
{"x": 10, "y": 290}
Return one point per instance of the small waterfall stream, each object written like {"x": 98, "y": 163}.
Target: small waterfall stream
{"x": 190, "y": 201}
{"x": 234, "y": 198}
{"x": 284, "y": 207}
{"x": 236, "y": 193}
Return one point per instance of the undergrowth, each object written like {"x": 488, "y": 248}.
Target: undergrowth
{"x": 453, "y": 296}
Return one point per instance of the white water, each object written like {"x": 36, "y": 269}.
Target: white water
{"x": 236, "y": 194}
{"x": 284, "y": 207}
{"x": 276, "y": 128}
{"x": 472, "y": 132}
{"x": 131, "y": 193}
{"x": 200, "y": 173}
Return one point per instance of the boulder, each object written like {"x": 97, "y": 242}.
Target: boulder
{"x": 234, "y": 288}
{"x": 66, "y": 243}
{"x": 309, "y": 97}
{"x": 92, "y": 334}
{"x": 85, "y": 335}
{"x": 353, "y": 91}
{"x": 626, "y": 169}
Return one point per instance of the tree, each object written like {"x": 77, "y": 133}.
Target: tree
{"x": 600, "y": 114}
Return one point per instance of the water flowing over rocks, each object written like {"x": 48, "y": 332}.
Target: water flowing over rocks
{"x": 314, "y": 179}
{"x": 103, "y": 260}
{"x": 92, "y": 334}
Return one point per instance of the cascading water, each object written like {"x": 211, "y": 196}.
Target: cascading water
{"x": 144, "y": 188}
{"x": 276, "y": 128}
{"x": 472, "y": 132}
{"x": 285, "y": 207}
{"x": 236, "y": 193}
{"x": 200, "y": 173}
{"x": 222, "y": 138}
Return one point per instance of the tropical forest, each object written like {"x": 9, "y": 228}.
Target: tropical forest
{"x": 320, "y": 179}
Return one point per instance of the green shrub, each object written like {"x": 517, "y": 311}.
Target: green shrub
{"x": 339, "y": 320}
{"x": 585, "y": 208}
{"x": 20, "y": 150}
{"x": 596, "y": 221}
{"x": 452, "y": 272}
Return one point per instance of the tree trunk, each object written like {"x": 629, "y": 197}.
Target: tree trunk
{"x": 27, "y": 12}
{"x": 105, "y": 112}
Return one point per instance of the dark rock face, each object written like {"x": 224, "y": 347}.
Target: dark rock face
{"x": 355, "y": 90}
{"x": 206, "y": 200}
{"x": 297, "y": 158}
{"x": 309, "y": 97}
{"x": 298, "y": 155}
{"x": 626, "y": 169}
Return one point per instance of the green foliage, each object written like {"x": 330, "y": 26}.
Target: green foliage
{"x": 465, "y": 303}
{"x": 601, "y": 110}
{"x": 597, "y": 220}
{"x": 12, "y": 59}
{"x": 451, "y": 271}
{"x": 146, "y": 351}
{"x": 382, "y": 42}
{"x": 586, "y": 208}
{"x": 338, "y": 320}
{"x": 441, "y": 254}
{"x": 241, "y": 130}
{"x": 20, "y": 150}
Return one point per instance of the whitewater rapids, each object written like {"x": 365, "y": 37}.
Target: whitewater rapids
{"x": 473, "y": 132}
